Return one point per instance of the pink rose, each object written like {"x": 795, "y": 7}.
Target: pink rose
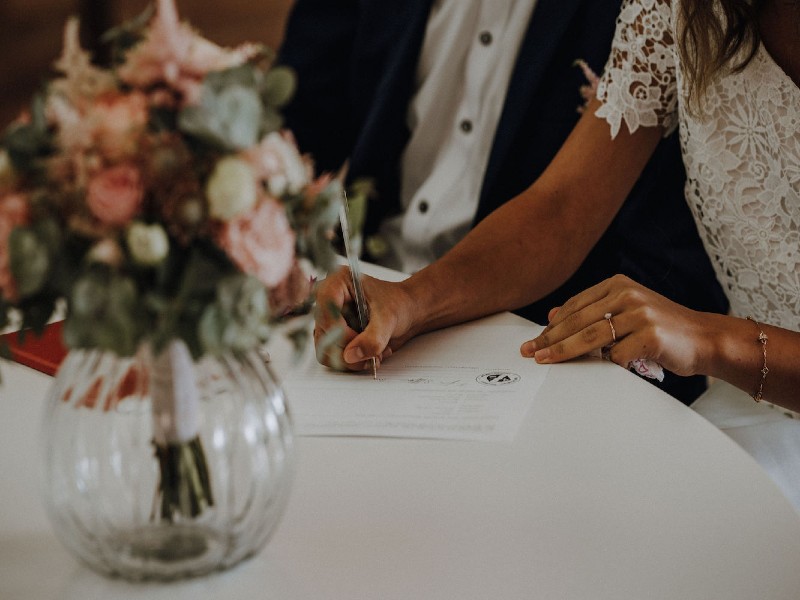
{"x": 260, "y": 242}
{"x": 115, "y": 195}
{"x": 13, "y": 213}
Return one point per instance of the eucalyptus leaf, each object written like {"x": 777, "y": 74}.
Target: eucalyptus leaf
{"x": 210, "y": 330}
{"x": 4, "y": 314}
{"x": 239, "y": 319}
{"x": 106, "y": 313}
{"x": 27, "y": 142}
{"x": 201, "y": 123}
{"x": 329, "y": 341}
{"x": 240, "y": 114}
{"x": 300, "y": 338}
{"x": 229, "y": 119}
{"x": 39, "y": 114}
{"x": 245, "y": 75}
{"x": 271, "y": 120}
{"x": 49, "y": 233}
{"x": 131, "y": 30}
{"x": 38, "y": 312}
{"x": 280, "y": 84}
{"x": 29, "y": 260}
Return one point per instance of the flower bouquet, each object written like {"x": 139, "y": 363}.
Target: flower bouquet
{"x": 158, "y": 204}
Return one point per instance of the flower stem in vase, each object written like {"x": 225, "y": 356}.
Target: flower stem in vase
{"x": 184, "y": 487}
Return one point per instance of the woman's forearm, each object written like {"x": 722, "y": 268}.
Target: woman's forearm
{"x": 770, "y": 366}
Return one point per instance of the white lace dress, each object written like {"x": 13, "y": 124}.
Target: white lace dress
{"x": 742, "y": 160}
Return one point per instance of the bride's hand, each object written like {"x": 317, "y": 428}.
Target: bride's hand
{"x": 627, "y": 321}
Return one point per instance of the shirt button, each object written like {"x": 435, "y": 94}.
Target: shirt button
{"x": 485, "y": 37}
{"x": 466, "y": 125}
{"x": 423, "y": 206}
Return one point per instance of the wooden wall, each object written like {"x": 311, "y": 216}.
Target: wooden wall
{"x": 31, "y": 33}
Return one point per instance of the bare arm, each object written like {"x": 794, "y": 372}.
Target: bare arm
{"x": 534, "y": 243}
{"x": 518, "y": 254}
{"x": 684, "y": 341}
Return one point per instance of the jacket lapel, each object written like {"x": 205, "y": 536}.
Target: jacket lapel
{"x": 548, "y": 23}
{"x": 386, "y": 115}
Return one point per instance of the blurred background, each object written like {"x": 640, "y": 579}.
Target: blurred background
{"x": 31, "y": 34}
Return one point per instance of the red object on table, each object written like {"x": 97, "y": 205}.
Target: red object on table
{"x": 43, "y": 353}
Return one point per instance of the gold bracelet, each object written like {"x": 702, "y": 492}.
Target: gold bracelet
{"x": 762, "y": 339}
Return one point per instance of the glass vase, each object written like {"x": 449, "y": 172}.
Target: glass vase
{"x": 160, "y": 473}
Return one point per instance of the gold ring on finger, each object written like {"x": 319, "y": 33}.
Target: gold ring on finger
{"x": 607, "y": 317}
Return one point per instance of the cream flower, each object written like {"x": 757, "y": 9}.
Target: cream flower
{"x": 148, "y": 244}
{"x": 231, "y": 190}
{"x": 107, "y": 252}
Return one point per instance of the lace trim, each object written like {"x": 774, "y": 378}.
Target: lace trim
{"x": 638, "y": 85}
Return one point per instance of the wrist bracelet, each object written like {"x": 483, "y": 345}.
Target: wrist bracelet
{"x": 762, "y": 339}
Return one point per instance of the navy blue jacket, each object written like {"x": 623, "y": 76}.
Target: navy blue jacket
{"x": 356, "y": 62}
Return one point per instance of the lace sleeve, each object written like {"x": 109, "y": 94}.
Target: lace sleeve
{"x": 638, "y": 85}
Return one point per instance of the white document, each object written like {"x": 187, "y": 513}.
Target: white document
{"x": 467, "y": 382}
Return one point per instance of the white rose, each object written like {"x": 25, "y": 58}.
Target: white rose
{"x": 231, "y": 190}
{"x": 148, "y": 244}
{"x": 106, "y": 251}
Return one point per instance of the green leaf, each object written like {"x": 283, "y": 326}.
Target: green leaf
{"x": 210, "y": 330}
{"x": 239, "y": 318}
{"x": 271, "y": 120}
{"x": 189, "y": 284}
{"x": 29, "y": 260}
{"x": 27, "y": 142}
{"x": 130, "y": 30}
{"x": 358, "y": 195}
{"x": 37, "y": 312}
{"x": 300, "y": 337}
{"x": 229, "y": 119}
{"x": 240, "y": 114}
{"x": 245, "y": 75}
{"x": 105, "y": 313}
{"x": 331, "y": 339}
{"x": 280, "y": 85}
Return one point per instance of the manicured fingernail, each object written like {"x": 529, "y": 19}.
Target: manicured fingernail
{"x": 354, "y": 355}
{"x": 542, "y": 355}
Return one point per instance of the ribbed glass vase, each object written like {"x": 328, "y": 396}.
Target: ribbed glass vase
{"x": 163, "y": 468}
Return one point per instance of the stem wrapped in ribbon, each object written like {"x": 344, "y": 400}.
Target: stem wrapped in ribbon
{"x": 184, "y": 488}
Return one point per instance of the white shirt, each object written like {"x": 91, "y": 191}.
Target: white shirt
{"x": 464, "y": 69}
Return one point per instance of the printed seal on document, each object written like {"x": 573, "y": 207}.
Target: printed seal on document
{"x": 498, "y": 378}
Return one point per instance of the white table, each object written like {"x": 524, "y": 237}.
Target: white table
{"x": 611, "y": 490}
